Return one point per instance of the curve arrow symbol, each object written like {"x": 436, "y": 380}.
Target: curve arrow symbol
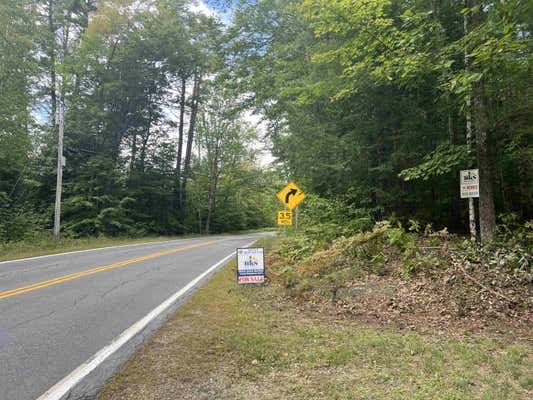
{"x": 291, "y": 192}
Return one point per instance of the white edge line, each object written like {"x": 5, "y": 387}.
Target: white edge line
{"x": 63, "y": 387}
{"x": 104, "y": 248}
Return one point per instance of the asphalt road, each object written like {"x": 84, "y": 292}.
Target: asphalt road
{"x": 57, "y": 311}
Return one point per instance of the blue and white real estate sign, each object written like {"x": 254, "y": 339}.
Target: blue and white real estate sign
{"x": 250, "y": 265}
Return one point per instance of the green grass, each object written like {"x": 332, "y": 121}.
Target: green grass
{"x": 247, "y": 342}
{"x": 46, "y": 245}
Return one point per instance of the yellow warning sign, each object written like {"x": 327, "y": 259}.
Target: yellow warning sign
{"x": 291, "y": 195}
{"x": 285, "y": 218}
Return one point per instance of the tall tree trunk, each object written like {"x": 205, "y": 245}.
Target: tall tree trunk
{"x": 212, "y": 198}
{"x": 487, "y": 212}
{"x": 133, "y": 157}
{"x": 214, "y": 173}
{"x": 452, "y": 134}
{"x": 190, "y": 139}
{"x": 146, "y": 138}
{"x": 433, "y": 5}
{"x": 177, "y": 196}
{"x": 455, "y": 210}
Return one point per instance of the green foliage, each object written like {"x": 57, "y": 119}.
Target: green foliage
{"x": 326, "y": 219}
{"x": 415, "y": 262}
{"x": 508, "y": 256}
{"x": 443, "y": 160}
{"x": 100, "y": 216}
{"x": 17, "y": 223}
{"x": 119, "y": 75}
{"x": 366, "y": 96}
{"x": 364, "y": 105}
{"x": 298, "y": 248}
{"x": 414, "y": 226}
{"x": 319, "y": 272}
{"x": 512, "y": 231}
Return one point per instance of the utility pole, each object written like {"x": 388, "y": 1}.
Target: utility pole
{"x": 60, "y": 164}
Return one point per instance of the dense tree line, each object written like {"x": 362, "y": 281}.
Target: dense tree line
{"x": 375, "y": 104}
{"x": 380, "y": 103}
{"x": 150, "y": 146}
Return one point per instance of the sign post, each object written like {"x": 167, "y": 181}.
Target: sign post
{"x": 469, "y": 187}
{"x": 250, "y": 265}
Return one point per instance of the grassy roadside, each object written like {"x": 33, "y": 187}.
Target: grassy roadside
{"x": 235, "y": 342}
{"x": 45, "y": 246}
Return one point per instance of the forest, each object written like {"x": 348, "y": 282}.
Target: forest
{"x": 372, "y": 106}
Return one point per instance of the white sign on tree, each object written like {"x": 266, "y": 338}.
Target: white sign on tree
{"x": 469, "y": 181}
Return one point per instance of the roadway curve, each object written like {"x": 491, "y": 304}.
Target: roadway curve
{"x": 57, "y": 311}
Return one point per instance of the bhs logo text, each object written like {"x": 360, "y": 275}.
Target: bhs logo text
{"x": 470, "y": 177}
{"x": 252, "y": 262}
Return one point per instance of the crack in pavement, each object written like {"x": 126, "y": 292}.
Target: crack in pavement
{"x": 121, "y": 284}
{"x": 125, "y": 282}
{"x": 156, "y": 269}
{"x": 32, "y": 319}
{"x": 79, "y": 300}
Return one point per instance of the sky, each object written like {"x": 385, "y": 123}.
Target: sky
{"x": 214, "y": 8}
{"x": 221, "y": 9}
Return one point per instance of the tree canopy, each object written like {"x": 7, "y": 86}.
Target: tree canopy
{"x": 369, "y": 100}
{"x": 372, "y": 104}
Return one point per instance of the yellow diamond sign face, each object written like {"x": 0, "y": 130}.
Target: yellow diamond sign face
{"x": 285, "y": 218}
{"x": 291, "y": 196}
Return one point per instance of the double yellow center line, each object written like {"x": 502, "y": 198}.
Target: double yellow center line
{"x": 66, "y": 278}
